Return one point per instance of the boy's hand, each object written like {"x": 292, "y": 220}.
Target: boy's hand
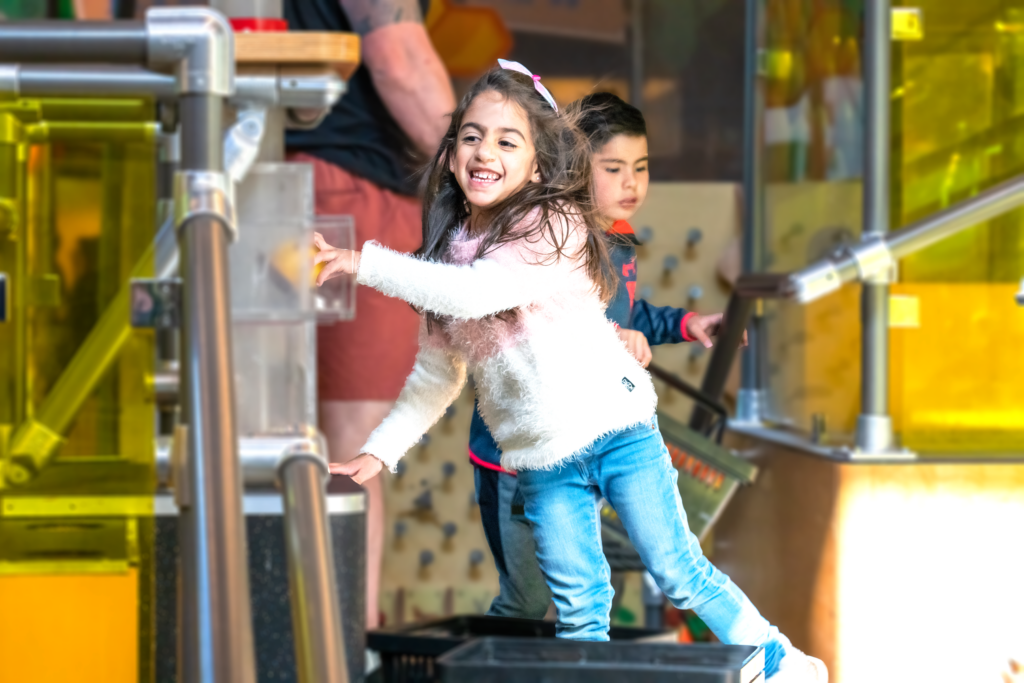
{"x": 637, "y": 345}
{"x": 337, "y": 261}
{"x": 702, "y": 328}
{"x": 361, "y": 468}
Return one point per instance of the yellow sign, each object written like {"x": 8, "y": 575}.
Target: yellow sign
{"x": 907, "y": 23}
{"x": 904, "y": 311}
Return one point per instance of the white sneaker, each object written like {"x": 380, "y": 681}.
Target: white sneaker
{"x": 372, "y": 659}
{"x": 796, "y": 667}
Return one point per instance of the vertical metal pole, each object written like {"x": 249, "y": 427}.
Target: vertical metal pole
{"x": 750, "y": 399}
{"x": 636, "y": 39}
{"x": 874, "y": 426}
{"x": 216, "y": 624}
{"x": 316, "y": 611}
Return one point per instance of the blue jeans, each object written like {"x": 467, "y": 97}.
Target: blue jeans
{"x": 633, "y": 471}
{"x": 524, "y": 592}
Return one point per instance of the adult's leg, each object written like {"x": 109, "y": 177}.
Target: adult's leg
{"x": 561, "y": 505}
{"x": 524, "y": 592}
{"x": 635, "y": 474}
{"x": 347, "y": 426}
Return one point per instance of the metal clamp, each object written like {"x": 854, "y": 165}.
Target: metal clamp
{"x": 199, "y": 42}
{"x": 875, "y": 262}
{"x": 312, "y": 446}
{"x": 242, "y": 143}
{"x": 815, "y": 282}
{"x": 10, "y": 84}
{"x": 204, "y": 193}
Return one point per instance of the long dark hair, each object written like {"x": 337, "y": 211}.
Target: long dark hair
{"x": 564, "y": 192}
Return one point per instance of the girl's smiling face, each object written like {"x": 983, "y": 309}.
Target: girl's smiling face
{"x": 620, "y": 178}
{"x": 494, "y": 153}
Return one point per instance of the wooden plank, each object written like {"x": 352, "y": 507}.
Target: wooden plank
{"x": 299, "y": 47}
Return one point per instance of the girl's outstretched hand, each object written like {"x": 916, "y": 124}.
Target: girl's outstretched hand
{"x": 361, "y": 468}
{"x": 336, "y": 261}
{"x": 702, "y": 328}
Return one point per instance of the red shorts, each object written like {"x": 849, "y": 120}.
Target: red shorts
{"x": 370, "y": 357}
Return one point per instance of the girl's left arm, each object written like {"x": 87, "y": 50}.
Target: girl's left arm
{"x": 436, "y": 380}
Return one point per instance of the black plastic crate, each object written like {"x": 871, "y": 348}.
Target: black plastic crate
{"x": 409, "y": 653}
{"x": 519, "y": 660}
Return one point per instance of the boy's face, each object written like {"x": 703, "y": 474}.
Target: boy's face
{"x": 620, "y": 178}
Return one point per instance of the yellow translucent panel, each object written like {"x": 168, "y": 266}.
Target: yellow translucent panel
{"x": 958, "y": 124}
{"x": 956, "y": 378}
{"x": 80, "y": 184}
{"x": 77, "y": 220}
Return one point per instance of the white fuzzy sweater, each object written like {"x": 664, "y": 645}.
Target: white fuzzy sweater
{"x": 550, "y": 381}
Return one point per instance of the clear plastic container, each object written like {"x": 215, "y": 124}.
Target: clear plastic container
{"x": 336, "y": 298}
{"x": 272, "y": 301}
{"x": 275, "y": 376}
{"x": 271, "y": 264}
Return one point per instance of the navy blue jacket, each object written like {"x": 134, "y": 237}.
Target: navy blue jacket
{"x": 660, "y": 324}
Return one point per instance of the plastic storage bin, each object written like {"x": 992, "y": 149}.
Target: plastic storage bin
{"x": 519, "y": 660}
{"x": 409, "y": 653}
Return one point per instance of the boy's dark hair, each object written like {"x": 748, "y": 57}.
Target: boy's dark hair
{"x": 562, "y": 197}
{"x": 602, "y": 116}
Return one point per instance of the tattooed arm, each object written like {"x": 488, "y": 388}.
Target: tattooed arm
{"x": 404, "y": 66}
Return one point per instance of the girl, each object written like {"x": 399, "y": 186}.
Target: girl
{"x": 513, "y": 279}
{"x": 617, "y": 136}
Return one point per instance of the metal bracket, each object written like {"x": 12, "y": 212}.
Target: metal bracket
{"x": 204, "y": 193}
{"x": 874, "y": 261}
{"x": 4, "y": 307}
{"x": 242, "y": 143}
{"x": 813, "y": 283}
{"x": 180, "y": 481}
{"x": 199, "y": 42}
{"x": 9, "y": 82}
{"x": 156, "y": 303}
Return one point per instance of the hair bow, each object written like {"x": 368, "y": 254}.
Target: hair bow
{"x": 516, "y": 66}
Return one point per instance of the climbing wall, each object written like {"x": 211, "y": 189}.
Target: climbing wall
{"x": 436, "y": 559}
{"x": 686, "y": 230}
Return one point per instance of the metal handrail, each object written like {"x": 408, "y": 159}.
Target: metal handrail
{"x": 699, "y": 397}
{"x": 861, "y": 261}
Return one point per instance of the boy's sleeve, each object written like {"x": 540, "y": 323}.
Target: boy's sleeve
{"x": 436, "y": 380}
{"x": 660, "y": 324}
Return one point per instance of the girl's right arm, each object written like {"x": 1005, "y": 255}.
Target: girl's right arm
{"x": 437, "y": 379}
{"x": 464, "y": 292}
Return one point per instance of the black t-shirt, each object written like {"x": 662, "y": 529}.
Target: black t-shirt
{"x": 359, "y": 134}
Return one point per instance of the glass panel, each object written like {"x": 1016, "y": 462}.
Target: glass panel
{"x": 811, "y": 204}
{"x": 957, "y": 110}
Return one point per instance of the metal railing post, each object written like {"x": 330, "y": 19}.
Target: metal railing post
{"x": 750, "y": 400}
{"x": 874, "y": 434}
{"x": 216, "y": 638}
{"x": 316, "y": 611}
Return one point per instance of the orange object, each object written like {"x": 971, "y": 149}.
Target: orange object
{"x": 469, "y": 40}
{"x": 80, "y": 628}
{"x": 684, "y": 635}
